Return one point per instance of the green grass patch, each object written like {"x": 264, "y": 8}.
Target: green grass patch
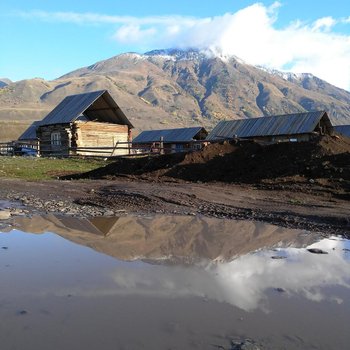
{"x": 35, "y": 169}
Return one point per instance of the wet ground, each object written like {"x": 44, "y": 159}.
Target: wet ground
{"x": 167, "y": 282}
{"x": 293, "y": 205}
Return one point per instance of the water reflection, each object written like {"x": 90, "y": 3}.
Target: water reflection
{"x": 172, "y": 238}
{"x": 236, "y": 285}
{"x": 245, "y": 281}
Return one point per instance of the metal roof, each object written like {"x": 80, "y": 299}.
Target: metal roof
{"x": 169, "y": 135}
{"x": 30, "y": 133}
{"x": 96, "y": 105}
{"x": 288, "y": 124}
{"x": 342, "y": 129}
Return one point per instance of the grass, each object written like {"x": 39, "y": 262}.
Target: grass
{"x": 35, "y": 169}
{"x": 296, "y": 202}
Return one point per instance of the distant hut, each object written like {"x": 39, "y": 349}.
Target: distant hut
{"x": 342, "y": 129}
{"x": 29, "y": 135}
{"x": 171, "y": 140}
{"x": 88, "y": 120}
{"x": 280, "y": 128}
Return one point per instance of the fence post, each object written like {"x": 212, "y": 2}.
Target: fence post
{"x": 115, "y": 147}
{"x": 161, "y": 145}
{"x": 38, "y": 146}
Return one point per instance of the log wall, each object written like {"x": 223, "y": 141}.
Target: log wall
{"x": 44, "y": 135}
{"x": 94, "y": 134}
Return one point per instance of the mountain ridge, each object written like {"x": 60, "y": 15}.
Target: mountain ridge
{"x": 177, "y": 88}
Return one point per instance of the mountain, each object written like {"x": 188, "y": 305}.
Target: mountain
{"x": 4, "y": 82}
{"x": 175, "y": 88}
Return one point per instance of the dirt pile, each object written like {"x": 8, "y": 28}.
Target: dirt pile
{"x": 250, "y": 162}
{"x": 246, "y": 162}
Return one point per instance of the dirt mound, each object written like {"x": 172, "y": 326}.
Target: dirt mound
{"x": 326, "y": 157}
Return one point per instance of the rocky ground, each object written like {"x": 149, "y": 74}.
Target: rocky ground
{"x": 315, "y": 211}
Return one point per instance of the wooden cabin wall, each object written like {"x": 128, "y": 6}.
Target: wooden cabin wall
{"x": 326, "y": 127}
{"x": 44, "y": 136}
{"x": 94, "y": 134}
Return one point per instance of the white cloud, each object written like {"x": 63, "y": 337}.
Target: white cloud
{"x": 325, "y": 23}
{"x": 133, "y": 34}
{"x": 250, "y": 34}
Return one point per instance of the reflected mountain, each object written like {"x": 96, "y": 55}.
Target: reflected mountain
{"x": 167, "y": 238}
{"x": 246, "y": 280}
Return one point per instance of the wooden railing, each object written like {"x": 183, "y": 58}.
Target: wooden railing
{"x": 121, "y": 149}
{"x": 19, "y": 148}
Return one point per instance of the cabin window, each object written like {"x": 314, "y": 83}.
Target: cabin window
{"x": 55, "y": 139}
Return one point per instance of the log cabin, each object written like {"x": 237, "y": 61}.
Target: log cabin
{"x": 295, "y": 127}
{"x": 82, "y": 123}
{"x": 343, "y": 130}
{"x": 170, "y": 140}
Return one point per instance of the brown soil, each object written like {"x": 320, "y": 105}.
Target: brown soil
{"x": 325, "y": 161}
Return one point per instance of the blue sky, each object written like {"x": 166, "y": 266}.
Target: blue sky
{"x": 50, "y": 38}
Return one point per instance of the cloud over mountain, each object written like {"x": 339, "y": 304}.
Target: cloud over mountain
{"x": 251, "y": 33}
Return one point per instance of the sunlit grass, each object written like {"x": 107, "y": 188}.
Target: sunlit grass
{"x": 31, "y": 168}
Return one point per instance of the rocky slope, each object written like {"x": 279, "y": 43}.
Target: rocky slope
{"x": 167, "y": 88}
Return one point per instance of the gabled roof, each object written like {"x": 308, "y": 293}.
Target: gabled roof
{"x": 30, "y": 133}
{"x": 342, "y": 129}
{"x": 288, "y": 124}
{"x": 169, "y": 135}
{"x": 96, "y": 105}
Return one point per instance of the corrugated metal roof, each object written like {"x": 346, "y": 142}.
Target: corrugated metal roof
{"x": 30, "y": 133}
{"x": 342, "y": 129}
{"x": 288, "y": 124}
{"x": 96, "y": 105}
{"x": 169, "y": 135}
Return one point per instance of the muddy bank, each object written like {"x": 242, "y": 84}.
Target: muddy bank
{"x": 309, "y": 208}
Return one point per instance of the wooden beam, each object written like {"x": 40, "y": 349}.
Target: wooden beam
{"x": 102, "y": 109}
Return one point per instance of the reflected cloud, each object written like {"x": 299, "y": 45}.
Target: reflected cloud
{"x": 246, "y": 281}
{"x": 235, "y": 262}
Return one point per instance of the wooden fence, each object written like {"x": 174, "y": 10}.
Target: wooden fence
{"x": 120, "y": 149}
{"x": 15, "y": 148}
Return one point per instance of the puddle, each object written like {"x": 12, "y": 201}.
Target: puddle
{"x": 125, "y": 283}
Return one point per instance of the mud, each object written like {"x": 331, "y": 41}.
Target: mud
{"x": 308, "y": 208}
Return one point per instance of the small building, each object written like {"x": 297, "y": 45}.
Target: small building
{"x": 342, "y": 129}
{"x": 85, "y": 124}
{"x": 171, "y": 140}
{"x": 280, "y": 128}
{"x": 29, "y": 135}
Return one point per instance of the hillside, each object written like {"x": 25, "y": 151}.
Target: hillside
{"x": 167, "y": 88}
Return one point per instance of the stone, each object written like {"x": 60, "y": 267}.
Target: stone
{"x": 5, "y": 214}
{"x": 246, "y": 344}
{"x": 316, "y": 251}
